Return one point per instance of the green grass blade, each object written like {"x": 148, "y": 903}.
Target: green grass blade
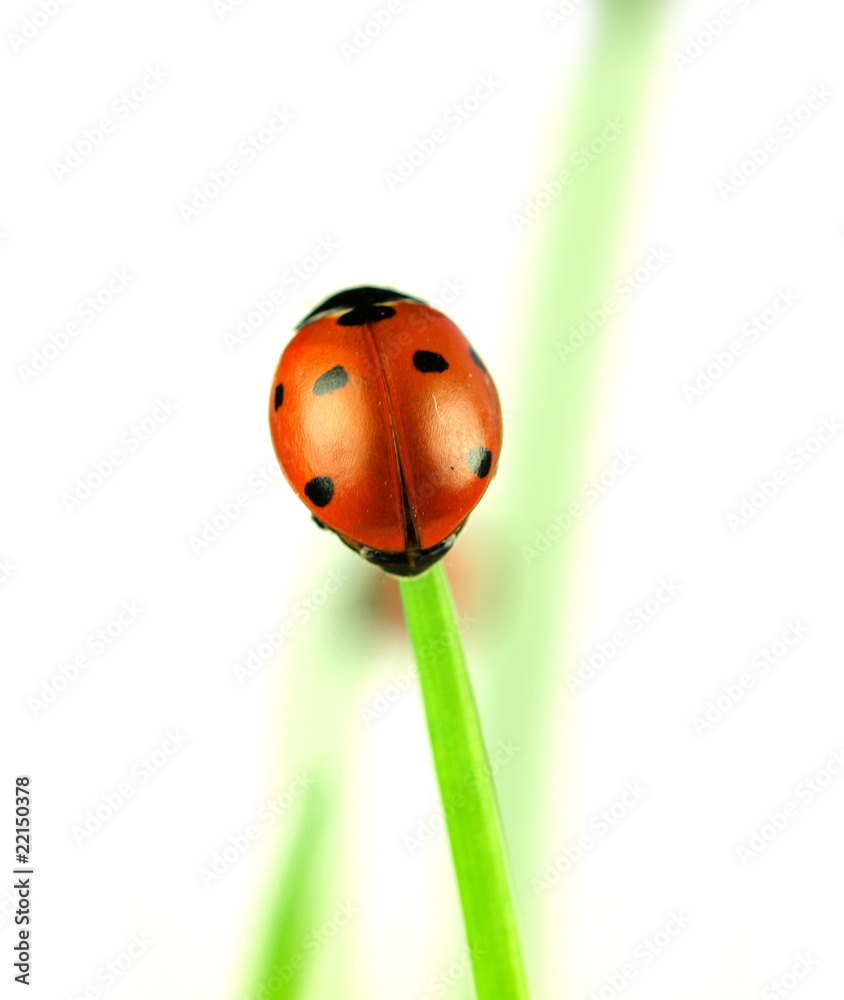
{"x": 466, "y": 788}
{"x": 282, "y": 968}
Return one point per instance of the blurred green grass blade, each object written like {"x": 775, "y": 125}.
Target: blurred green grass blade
{"x": 282, "y": 967}
{"x": 321, "y": 674}
{"x": 579, "y": 244}
{"x": 466, "y": 789}
{"x": 579, "y": 240}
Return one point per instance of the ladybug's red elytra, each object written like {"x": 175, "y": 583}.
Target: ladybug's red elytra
{"x": 386, "y": 424}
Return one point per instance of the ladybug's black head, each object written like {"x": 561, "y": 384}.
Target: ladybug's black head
{"x": 409, "y": 563}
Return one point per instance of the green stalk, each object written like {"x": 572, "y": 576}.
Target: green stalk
{"x": 466, "y": 789}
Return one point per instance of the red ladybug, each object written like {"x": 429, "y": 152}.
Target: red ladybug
{"x": 386, "y": 424}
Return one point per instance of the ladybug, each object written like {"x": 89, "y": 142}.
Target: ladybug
{"x": 386, "y": 424}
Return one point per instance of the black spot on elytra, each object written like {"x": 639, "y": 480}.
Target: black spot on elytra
{"x": 278, "y": 398}
{"x": 474, "y": 355}
{"x": 335, "y": 378}
{"x": 479, "y": 461}
{"x": 365, "y": 314}
{"x": 429, "y": 361}
{"x": 320, "y": 490}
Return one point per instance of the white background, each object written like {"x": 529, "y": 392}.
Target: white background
{"x": 162, "y": 338}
